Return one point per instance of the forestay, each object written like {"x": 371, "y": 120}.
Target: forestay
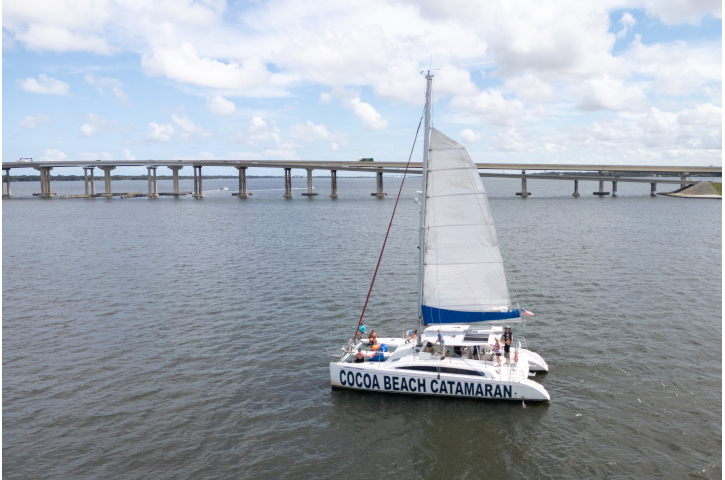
{"x": 463, "y": 276}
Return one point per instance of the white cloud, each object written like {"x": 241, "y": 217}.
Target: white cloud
{"x": 31, "y": 121}
{"x": 88, "y": 130}
{"x": 54, "y": 39}
{"x": 491, "y": 107}
{"x": 325, "y": 98}
{"x": 53, "y": 155}
{"x": 45, "y": 85}
{"x": 370, "y": 117}
{"x": 114, "y": 84}
{"x": 469, "y": 136}
{"x": 607, "y": 93}
{"x": 259, "y": 133}
{"x": 188, "y": 128}
{"x": 628, "y": 21}
{"x": 94, "y": 125}
{"x": 220, "y": 106}
{"x": 126, "y": 155}
{"x": 160, "y": 133}
{"x": 184, "y": 65}
{"x": 530, "y": 88}
{"x": 684, "y": 11}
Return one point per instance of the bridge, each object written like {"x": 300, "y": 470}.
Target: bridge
{"x": 376, "y": 168}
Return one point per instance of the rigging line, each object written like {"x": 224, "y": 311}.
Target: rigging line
{"x": 388, "y": 232}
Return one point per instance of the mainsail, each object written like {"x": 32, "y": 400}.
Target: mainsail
{"x": 463, "y": 274}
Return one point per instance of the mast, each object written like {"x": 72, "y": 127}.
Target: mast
{"x": 421, "y": 234}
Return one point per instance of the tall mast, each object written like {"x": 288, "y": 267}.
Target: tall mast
{"x": 421, "y": 234}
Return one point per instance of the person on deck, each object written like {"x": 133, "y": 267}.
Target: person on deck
{"x": 360, "y": 332}
{"x": 508, "y": 339}
{"x": 359, "y": 356}
{"x": 373, "y": 337}
{"x": 497, "y": 351}
{"x": 411, "y": 335}
{"x": 442, "y": 342}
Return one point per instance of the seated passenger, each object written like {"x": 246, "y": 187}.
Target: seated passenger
{"x": 359, "y": 356}
{"x": 373, "y": 337}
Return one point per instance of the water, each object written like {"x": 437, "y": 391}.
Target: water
{"x": 182, "y": 338}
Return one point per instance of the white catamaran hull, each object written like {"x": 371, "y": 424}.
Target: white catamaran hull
{"x": 376, "y": 380}
{"x": 536, "y": 363}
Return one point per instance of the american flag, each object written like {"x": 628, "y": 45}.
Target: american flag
{"x": 526, "y": 313}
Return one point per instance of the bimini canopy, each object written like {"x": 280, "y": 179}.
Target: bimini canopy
{"x": 463, "y": 274}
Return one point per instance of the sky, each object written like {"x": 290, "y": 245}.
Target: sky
{"x": 606, "y": 82}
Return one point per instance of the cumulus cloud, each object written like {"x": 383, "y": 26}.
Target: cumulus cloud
{"x": 188, "y": 128}
{"x": 53, "y": 155}
{"x": 34, "y": 121}
{"x": 88, "y": 130}
{"x": 126, "y": 155}
{"x": 114, "y": 84}
{"x": 469, "y": 136}
{"x": 607, "y": 93}
{"x": 259, "y": 133}
{"x": 45, "y": 85}
{"x": 309, "y": 132}
{"x": 628, "y": 21}
{"x": 184, "y": 65}
{"x": 220, "y": 106}
{"x": 160, "y": 133}
{"x": 530, "y": 88}
{"x": 370, "y": 117}
{"x": 684, "y": 11}
{"x": 491, "y": 107}
{"x": 92, "y": 128}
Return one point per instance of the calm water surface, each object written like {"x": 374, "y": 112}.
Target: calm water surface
{"x": 182, "y": 338}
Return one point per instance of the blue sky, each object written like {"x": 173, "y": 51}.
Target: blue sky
{"x": 621, "y": 82}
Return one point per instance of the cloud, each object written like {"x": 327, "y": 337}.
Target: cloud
{"x": 183, "y": 64}
{"x": 530, "y": 88}
{"x": 114, "y": 84}
{"x": 259, "y": 133}
{"x": 490, "y": 107}
{"x": 468, "y": 136}
{"x": 188, "y": 128}
{"x": 54, "y": 39}
{"x": 160, "y": 133}
{"x": 684, "y": 11}
{"x": 88, "y": 130}
{"x": 310, "y": 133}
{"x": 53, "y": 155}
{"x": 45, "y": 85}
{"x": 607, "y": 93}
{"x": 94, "y": 156}
{"x": 627, "y": 22}
{"x": 220, "y": 106}
{"x": 126, "y": 155}
{"x": 94, "y": 125}
{"x": 31, "y": 121}
{"x": 370, "y": 117}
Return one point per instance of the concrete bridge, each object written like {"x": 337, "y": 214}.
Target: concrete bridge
{"x": 377, "y": 168}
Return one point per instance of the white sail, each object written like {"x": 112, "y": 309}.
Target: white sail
{"x": 463, "y": 273}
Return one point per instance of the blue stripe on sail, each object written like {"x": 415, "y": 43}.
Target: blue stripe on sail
{"x": 440, "y": 315}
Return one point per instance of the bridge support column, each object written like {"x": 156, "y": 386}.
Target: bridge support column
{"x": 242, "y": 193}
{"x": 333, "y": 184}
{"x": 93, "y": 180}
{"x": 379, "y": 183}
{"x": 309, "y": 193}
{"x": 198, "y": 188}
{"x": 601, "y": 191}
{"x": 614, "y": 188}
{"x": 153, "y": 185}
{"x": 107, "y": 180}
{"x": 44, "y": 182}
{"x": 683, "y": 177}
{"x": 576, "y": 188}
{"x": 288, "y": 183}
{"x": 653, "y": 189}
{"x": 524, "y": 190}
{"x": 175, "y": 169}
{"x": 8, "y": 194}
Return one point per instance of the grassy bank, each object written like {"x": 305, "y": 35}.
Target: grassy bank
{"x": 718, "y": 187}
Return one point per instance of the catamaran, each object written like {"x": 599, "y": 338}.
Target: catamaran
{"x": 463, "y": 298}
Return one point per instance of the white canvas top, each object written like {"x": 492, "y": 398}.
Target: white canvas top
{"x": 463, "y": 268}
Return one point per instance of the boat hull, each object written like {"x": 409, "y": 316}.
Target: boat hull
{"x": 379, "y": 380}
{"x": 536, "y": 362}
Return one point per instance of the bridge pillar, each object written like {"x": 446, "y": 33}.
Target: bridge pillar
{"x": 288, "y": 183}
{"x": 107, "y": 180}
{"x": 175, "y": 169}
{"x": 576, "y": 188}
{"x": 653, "y": 189}
{"x": 524, "y": 190}
{"x": 683, "y": 177}
{"x": 7, "y": 184}
{"x": 93, "y": 180}
{"x": 44, "y": 182}
{"x": 198, "y": 188}
{"x": 379, "y": 183}
{"x": 242, "y": 183}
{"x": 309, "y": 193}
{"x": 333, "y": 184}
{"x": 614, "y": 188}
{"x": 601, "y": 191}
{"x": 153, "y": 185}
